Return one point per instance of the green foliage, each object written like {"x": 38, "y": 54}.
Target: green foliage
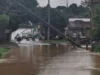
{"x": 96, "y": 48}
{"x": 4, "y": 19}
{"x": 96, "y": 21}
{"x": 73, "y": 8}
{"x": 0, "y": 55}
{"x": 27, "y": 3}
{"x": 96, "y": 17}
{"x": 57, "y": 19}
{"x": 92, "y": 32}
{"x": 3, "y": 51}
{"x": 78, "y": 11}
{"x": 55, "y": 41}
{"x": 20, "y": 15}
{"x": 31, "y": 4}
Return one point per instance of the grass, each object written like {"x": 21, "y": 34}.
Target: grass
{"x": 54, "y": 41}
{"x": 3, "y": 51}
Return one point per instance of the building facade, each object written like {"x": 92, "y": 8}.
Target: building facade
{"x": 78, "y": 28}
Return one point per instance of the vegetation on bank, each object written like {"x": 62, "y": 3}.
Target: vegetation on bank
{"x": 3, "y": 52}
{"x": 95, "y": 33}
{"x": 96, "y": 48}
{"x": 55, "y": 41}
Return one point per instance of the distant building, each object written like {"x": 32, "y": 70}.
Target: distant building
{"x": 77, "y": 28}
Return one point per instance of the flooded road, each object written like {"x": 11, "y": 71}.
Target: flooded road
{"x": 50, "y": 60}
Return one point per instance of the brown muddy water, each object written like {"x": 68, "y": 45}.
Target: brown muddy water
{"x": 50, "y": 60}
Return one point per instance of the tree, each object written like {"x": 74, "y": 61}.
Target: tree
{"x": 73, "y": 8}
{"x": 4, "y": 21}
{"x": 56, "y": 19}
{"x": 61, "y": 7}
{"x": 78, "y": 11}
{"x": 96, "y": 21}
{"x": 17, "y": 14}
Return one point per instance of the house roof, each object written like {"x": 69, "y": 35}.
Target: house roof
{"x": 79, "y": 25}
{"x": 79, "y": 19}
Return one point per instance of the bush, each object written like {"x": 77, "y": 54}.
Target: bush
{"x": 0, "y": 55}
{"x": 3, "y": 51}
{"x": 96, "y": 48}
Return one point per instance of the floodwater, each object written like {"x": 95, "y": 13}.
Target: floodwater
{"x": 50, "y": 60}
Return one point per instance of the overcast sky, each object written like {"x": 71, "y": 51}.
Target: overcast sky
{"x": 55, "y": 3}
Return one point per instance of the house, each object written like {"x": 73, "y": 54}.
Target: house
{"x": 77, "y": 28}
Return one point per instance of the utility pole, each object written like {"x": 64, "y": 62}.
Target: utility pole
{"x": 48, "y": 33}
{"x": 67, "y": 13}
{"x": 91, "y": 13}
{"x": 67, "y": 3}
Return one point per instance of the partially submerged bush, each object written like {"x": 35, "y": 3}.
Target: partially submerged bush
{"x": 96, "y": 48}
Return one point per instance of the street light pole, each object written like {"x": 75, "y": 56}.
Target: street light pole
{"x": 48, "y": 33}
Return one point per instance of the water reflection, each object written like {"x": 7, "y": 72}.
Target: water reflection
{"x": 96, "y": 61}
{"x": 72, "y": 63}
{"x": 36, "y": 56}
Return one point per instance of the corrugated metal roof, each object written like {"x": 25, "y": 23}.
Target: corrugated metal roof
{"x": 79, "y": 19}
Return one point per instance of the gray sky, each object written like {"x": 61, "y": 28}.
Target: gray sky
{"x": 55, "y": 3}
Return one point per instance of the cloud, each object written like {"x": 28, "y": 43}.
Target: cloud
{"x": 55, "y": 3}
